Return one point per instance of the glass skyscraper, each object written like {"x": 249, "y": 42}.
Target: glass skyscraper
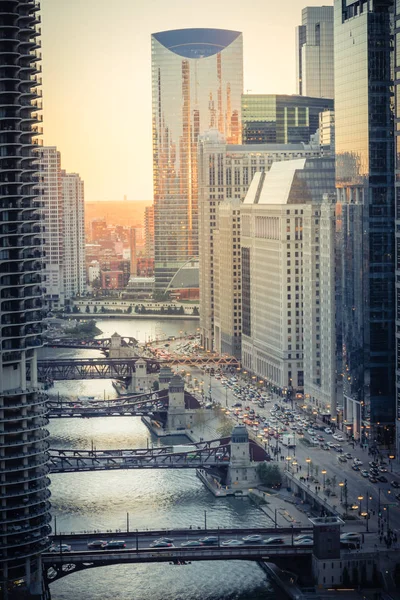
{"x": 314, "y": 52}
{"x": 281, "y": 119}
{"x": 397, "y": 192}
{"x": 197, "y": 83}
{"x": 365, "y": 215}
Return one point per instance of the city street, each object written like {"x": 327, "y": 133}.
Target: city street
{"x": 381, "y": 496}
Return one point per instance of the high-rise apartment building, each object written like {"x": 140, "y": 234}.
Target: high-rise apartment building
{"x": 272, "y": 217}
{"x": 225, "y": 172}
{"x": 74, "y": 234}
{"x": 64, "y": 229}
{"x": 53, "y": 213}
{"x": 24, "y": 506}
{"x": 227, "y": 287}
{"x": 197, "y": 83}
{"x": 314, "y": 52}
{"x": 365, "y": 215}
{"x": 281, "y": 119}
{"x": 327, "y": 132}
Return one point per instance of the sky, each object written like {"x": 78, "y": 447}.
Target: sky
{"x": 97, "y": 76}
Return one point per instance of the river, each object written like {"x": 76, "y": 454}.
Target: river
{"x": 153, "y": 499}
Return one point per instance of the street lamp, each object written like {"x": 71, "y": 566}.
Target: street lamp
{"x": 391, "y": 457}
{"x": 341, "y": 485}
{"x": 308, "y": 460}
{"x": 360, "y": 499}
{"x": 323, "y": 474}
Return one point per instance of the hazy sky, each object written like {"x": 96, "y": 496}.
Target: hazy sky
{"x": 97, "y": 76}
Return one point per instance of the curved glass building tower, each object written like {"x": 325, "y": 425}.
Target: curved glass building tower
{"x": 24, "y": 497}
{"x": 197, "y": 83}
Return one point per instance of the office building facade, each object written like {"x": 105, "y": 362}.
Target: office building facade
{"x": 227, "y": 289}
{"x": 272, "y": 219}
{"x": 24, "y": 507}
{"x": 225, "y": 173}
{"x": 197, "y": 83}
{"x": 365, "y": 215}
{"x": 319, "y": 340}
{"x": 397, "y": 215}
{"x": 314, "y": 52}
{"x": 149, "y": 231}
{"x": 281, "y": 119}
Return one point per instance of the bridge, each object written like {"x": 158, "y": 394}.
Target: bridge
{"x": 138, "y": 549}
{"x": 202, "y": 456}
{"x": 103, "y": 344}
{"x": 118, "y": 368}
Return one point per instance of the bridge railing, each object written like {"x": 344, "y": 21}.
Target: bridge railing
{"x": 188, "y": 531}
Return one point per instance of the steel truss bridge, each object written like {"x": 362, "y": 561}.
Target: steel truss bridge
{"x": 90, "y": 344}
{"x": 117, "y": 368}
{"x": 115, "y": 409}
{"x": 59, "y": 564}
{"x": 203, "y": 455}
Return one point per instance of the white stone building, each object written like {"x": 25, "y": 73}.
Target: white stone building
{"x": 319, "y": 305}
{"x": 272, "y": 268}
{"x": 225, "y": 173}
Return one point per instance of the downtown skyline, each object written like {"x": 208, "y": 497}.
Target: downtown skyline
{"x": 95, "y": 50}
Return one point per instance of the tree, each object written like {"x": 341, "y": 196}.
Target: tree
{"x": 225, "y": 429}
{"x": 156, "y": 386}
{"x": 312, "y": 468}
{"x": 195, "y": 311}
{"x": 129, "y": 309}
{"x": 95, "y": 308}
{"x": 87, "y": 308}
{"x": 333, "y": 481}
{"x": 269, "y": 475}
{"x": 181, "y": 310}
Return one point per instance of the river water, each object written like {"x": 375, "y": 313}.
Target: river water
{"x": 148, "y": 499}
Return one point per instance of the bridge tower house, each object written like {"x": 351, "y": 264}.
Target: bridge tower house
{"x": 141, "y": 380}
{"x": 242, "y": 472}
{"x": 164, "y": 377}
{"x": 117, "y": 350}
{"x": 178, "y": 417}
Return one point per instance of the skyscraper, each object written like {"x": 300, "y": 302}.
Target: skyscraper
{"x": 74, "y": 234}
{"x": 281, "y": 119}
{"x": 397, "y": 192}
{"x": 365, "y": 215}
{"x": 64, "y": 235}
{"x": 24, "y": 507}
{"x": 197, "y": 82}
{"x": 314, "y": 52}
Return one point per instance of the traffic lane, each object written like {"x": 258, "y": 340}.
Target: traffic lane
{"x": 133, "y": 542}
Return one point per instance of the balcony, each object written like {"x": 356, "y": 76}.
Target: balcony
{"x": 40, "y": 435}
{"x": 32, "y": 464}
{"x": 35, "y": 494}
{"x": 38, "y": 473}
{"x": 16, "y": 517}
{"x": 30, "y": 426}
{"x": 32, "y": 451}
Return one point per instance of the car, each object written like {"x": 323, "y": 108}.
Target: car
{"x": 305, "y": 542}
{"x": 161, "y": 544}
{"x": 60, "y": 548}
{"x": 326, "y": 447}
{"x": 395, "y": 484}
{"x": 348, "y": 456}
{"x": 342, "y": 459}
{"x": 274, "y": 541}
{"x": 252, "y": 539}
{"x": 210, "y": 539}
{"x": 365, "y": 473}
{"x": 233, "y": 543}
{"x": 355, "y": 467}
{"x": 374, "y": 472}
{"x": 373, "y": 464}
{"x": 383, "y": 470}
{"x": 382, "y": 479}
{"x": 191, "y": 543}
{"x": 165, "y": 539}
{"x": 328, "y": 430}
{"x": 320, "y": 438}
{"x": 340, "y": 438}
{"x": 99, "y": 544}
{"x": 310, "y": 431}
{"x": 303, "y": 536}
{"x": 357, "y": 461}
{"x": 350, "y": 535}
{"x": 115, "y": 544}
{"x": 373, "y": 479}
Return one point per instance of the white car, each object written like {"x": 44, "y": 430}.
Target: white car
{"x": 328, "y": 430}
{"x": 357, "y": 462}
